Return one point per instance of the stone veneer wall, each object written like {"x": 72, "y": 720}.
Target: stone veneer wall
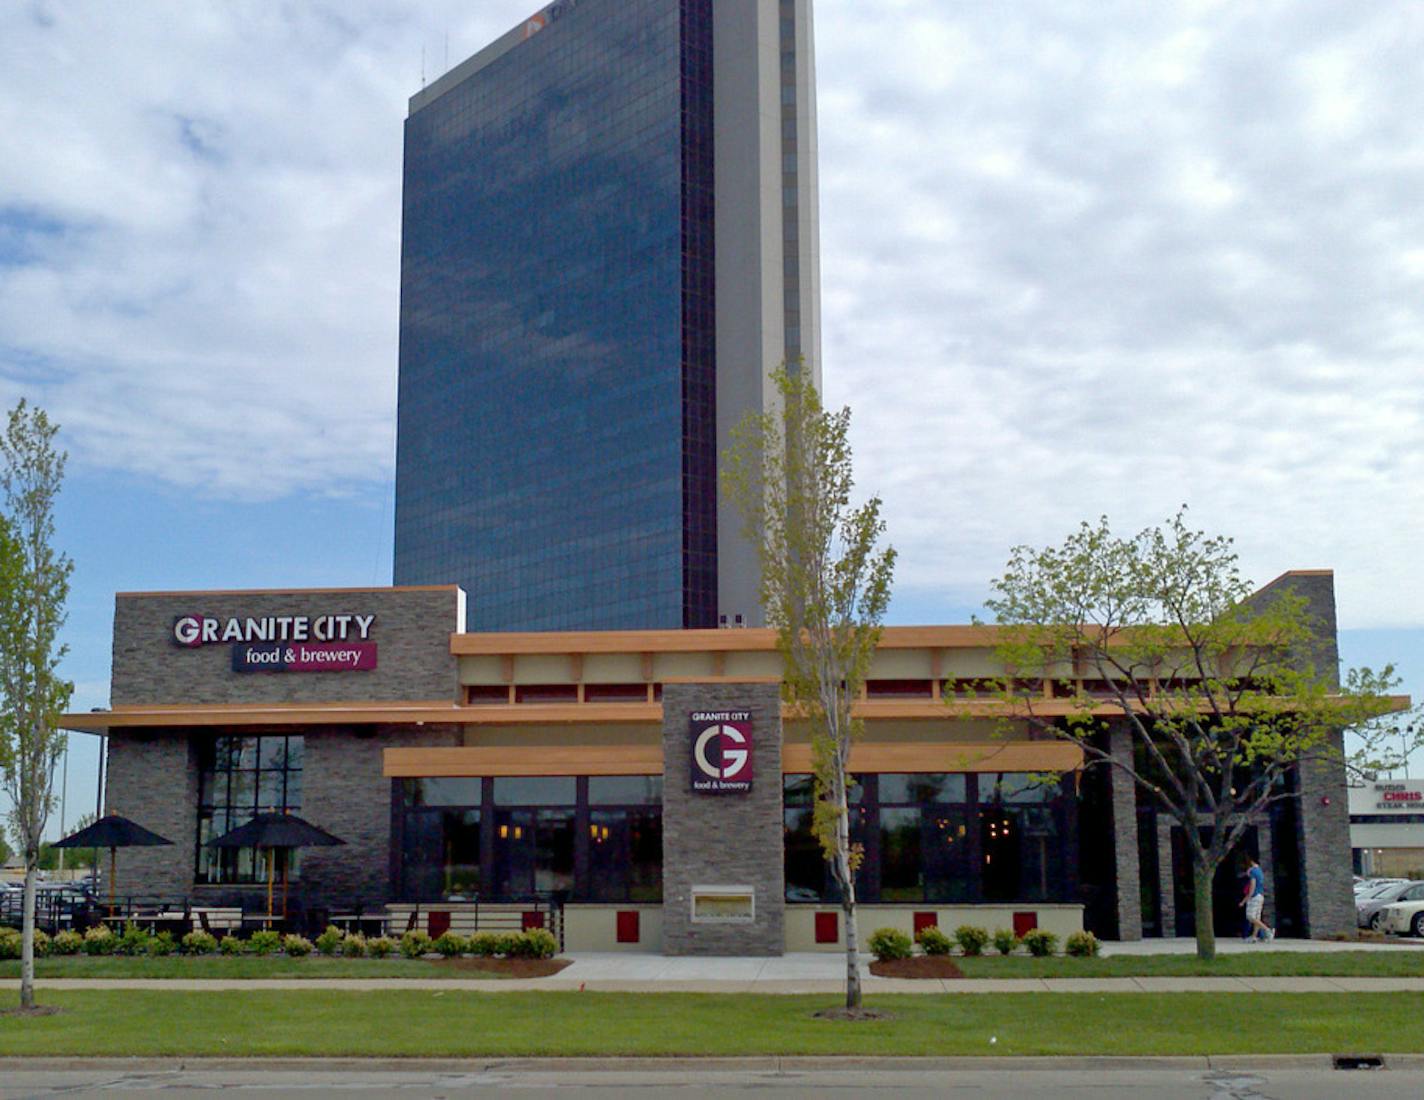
{"x": 412, "y": 635}
{"x": 1126, "y": 857}
{"x": 729, "y": 839}
{"x": 152, "y": 779}
{"x": 1327, "y": 899}
{"x": 345, "y": 792}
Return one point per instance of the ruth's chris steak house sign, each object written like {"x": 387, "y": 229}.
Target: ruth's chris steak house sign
{"x": 285, "y": 643}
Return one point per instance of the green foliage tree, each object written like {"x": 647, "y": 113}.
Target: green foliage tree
{"x": 34, "y": 584}
{"x": 825, "y": 584}
{"x": 1224, "y": 692}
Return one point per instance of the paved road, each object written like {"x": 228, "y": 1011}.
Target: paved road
{"x": 1170, "y": 1079}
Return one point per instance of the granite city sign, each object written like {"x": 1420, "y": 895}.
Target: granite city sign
{"x": 285, "y": 643}
{"x": 721, "y": 751}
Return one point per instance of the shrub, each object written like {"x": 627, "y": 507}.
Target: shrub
{"x": 42, "y": 942}
{"x": 231, "y": 945}
{"x": 485, "y": 944}
{"x": 1006, "y": 941}
{"x": 132, "y": 941}
{"x": 1040, "y": 942}
{"x": 890, "y": 943}
{"x": 329, "y": 942}
{"x": 506, "y": 944}
{"x": 450, "y": 944}
{"x": 296, "y": 946}
{"x": 265, "y": 942}
{"x": 199, "y": 943}
{"x": 972, "y": 939}
{"x": 414, "y": 945}
{"x": 933, "y": 942}
{"x": 354, "y": 946}
{"x": 161, "y": 944}
{"x": 67, "y": 943}
{"x": 1081, "y": 945}
{"x": 11, "y": 944}
{"x": 381, "y": 947}
{"x": 535, "y": 943}
{"x": 100, "y": 940}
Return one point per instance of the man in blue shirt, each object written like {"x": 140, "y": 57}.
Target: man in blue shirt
{"x": 1254, "y": 899}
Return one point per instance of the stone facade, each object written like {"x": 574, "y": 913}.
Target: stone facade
{"x": 1126, "y": 858}
{"x": 411, "y": 631}
{"x": 346, "y": 794}
{"x": 153, "y": 780}
{"x": 723, "y": 839}
{"x": 1327, "y": 899}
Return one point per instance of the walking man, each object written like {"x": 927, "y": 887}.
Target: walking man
{"x": 1254, "y": 899}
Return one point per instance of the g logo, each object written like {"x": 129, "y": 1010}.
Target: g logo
{"x": 733, "y": 760}
{"x": 188, "y": 631}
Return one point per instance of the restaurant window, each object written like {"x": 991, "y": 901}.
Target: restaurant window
{"x": 808, "y": 875}
{"x": 1020, "y": 836}
{"x": 509, "y": 838}
{"x": 625, "y": 838}
{"x": 924, "y": 842}
{"x": 238, "y": 778}
{"x": 440, "y": 841}
{"x": 938, "y": 837}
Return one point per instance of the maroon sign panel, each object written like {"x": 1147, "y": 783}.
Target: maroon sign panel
{"x": 305, "y": 657}
{"x": 721, "y": 751}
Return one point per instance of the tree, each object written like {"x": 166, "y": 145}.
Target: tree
{"x": 1222, "y": 692}
{"x": 825, "y": 585}
{"x": 34, "y": 583}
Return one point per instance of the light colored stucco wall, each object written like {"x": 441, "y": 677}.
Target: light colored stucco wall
{"x": 1061, "y": 920}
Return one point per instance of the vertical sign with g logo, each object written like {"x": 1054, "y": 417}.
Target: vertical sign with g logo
{"x": 721, "y": 751}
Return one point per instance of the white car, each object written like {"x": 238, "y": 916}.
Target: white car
{"x": 1405, "y": 915}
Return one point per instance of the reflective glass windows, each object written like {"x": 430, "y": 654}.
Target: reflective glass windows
{"x": 556, "y": 421}
{"x": 514, "y": 837}
{"x": 238, "y": 778}
{"x": 948, "y": 838}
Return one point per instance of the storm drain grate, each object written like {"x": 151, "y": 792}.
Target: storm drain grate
{"x": 1358, "y": 1061}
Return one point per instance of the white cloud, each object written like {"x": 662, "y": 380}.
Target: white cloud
{"x": 1077, "y": 258}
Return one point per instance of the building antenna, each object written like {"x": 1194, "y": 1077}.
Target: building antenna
{"x": 446, "y": 69}
{"x": 422, "y": 64}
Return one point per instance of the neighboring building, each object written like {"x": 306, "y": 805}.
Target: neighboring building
{"x": 646, "y": 783}
{"x": 610, "y": 240}
{"x": 1387, "y": 828}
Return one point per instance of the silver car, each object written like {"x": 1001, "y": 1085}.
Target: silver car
{"x": 1368, "y": 909}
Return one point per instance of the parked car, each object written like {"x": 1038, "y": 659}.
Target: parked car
{"x": 1405, "y": 916}
{"x": 1369, "y": 907}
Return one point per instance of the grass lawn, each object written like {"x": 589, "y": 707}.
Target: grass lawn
{"x": 1344, "y": 964}
{"x": 1394, "y": 963}
{"x": 436, "y": 1023}
{"x": 219, "y": 966}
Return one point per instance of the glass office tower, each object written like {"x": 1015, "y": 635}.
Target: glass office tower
{"x": 567, "y": 376}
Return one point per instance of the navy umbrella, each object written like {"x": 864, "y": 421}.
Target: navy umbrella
{"x": 272, "y": 832}
{"x": 112, "y": 832}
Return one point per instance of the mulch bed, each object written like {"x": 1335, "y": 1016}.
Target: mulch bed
{"x": 38, "y": 1010}
{"x": 506, "y": 968}
{"x": 853, "y": 1015}
{"x": 917, "y": 966}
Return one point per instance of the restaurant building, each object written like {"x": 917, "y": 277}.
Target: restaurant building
{"x": 1387, "y": 828}
{"x": 649, "y": 783}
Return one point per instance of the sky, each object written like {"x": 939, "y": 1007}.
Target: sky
{"x": 1078, "y": 259}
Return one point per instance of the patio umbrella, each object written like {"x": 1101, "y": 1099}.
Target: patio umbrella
{"x": 112, "y": 832}
{"x": 273, "y": 832}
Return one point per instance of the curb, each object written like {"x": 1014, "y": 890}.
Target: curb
{"x": 758, "y": 1064}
